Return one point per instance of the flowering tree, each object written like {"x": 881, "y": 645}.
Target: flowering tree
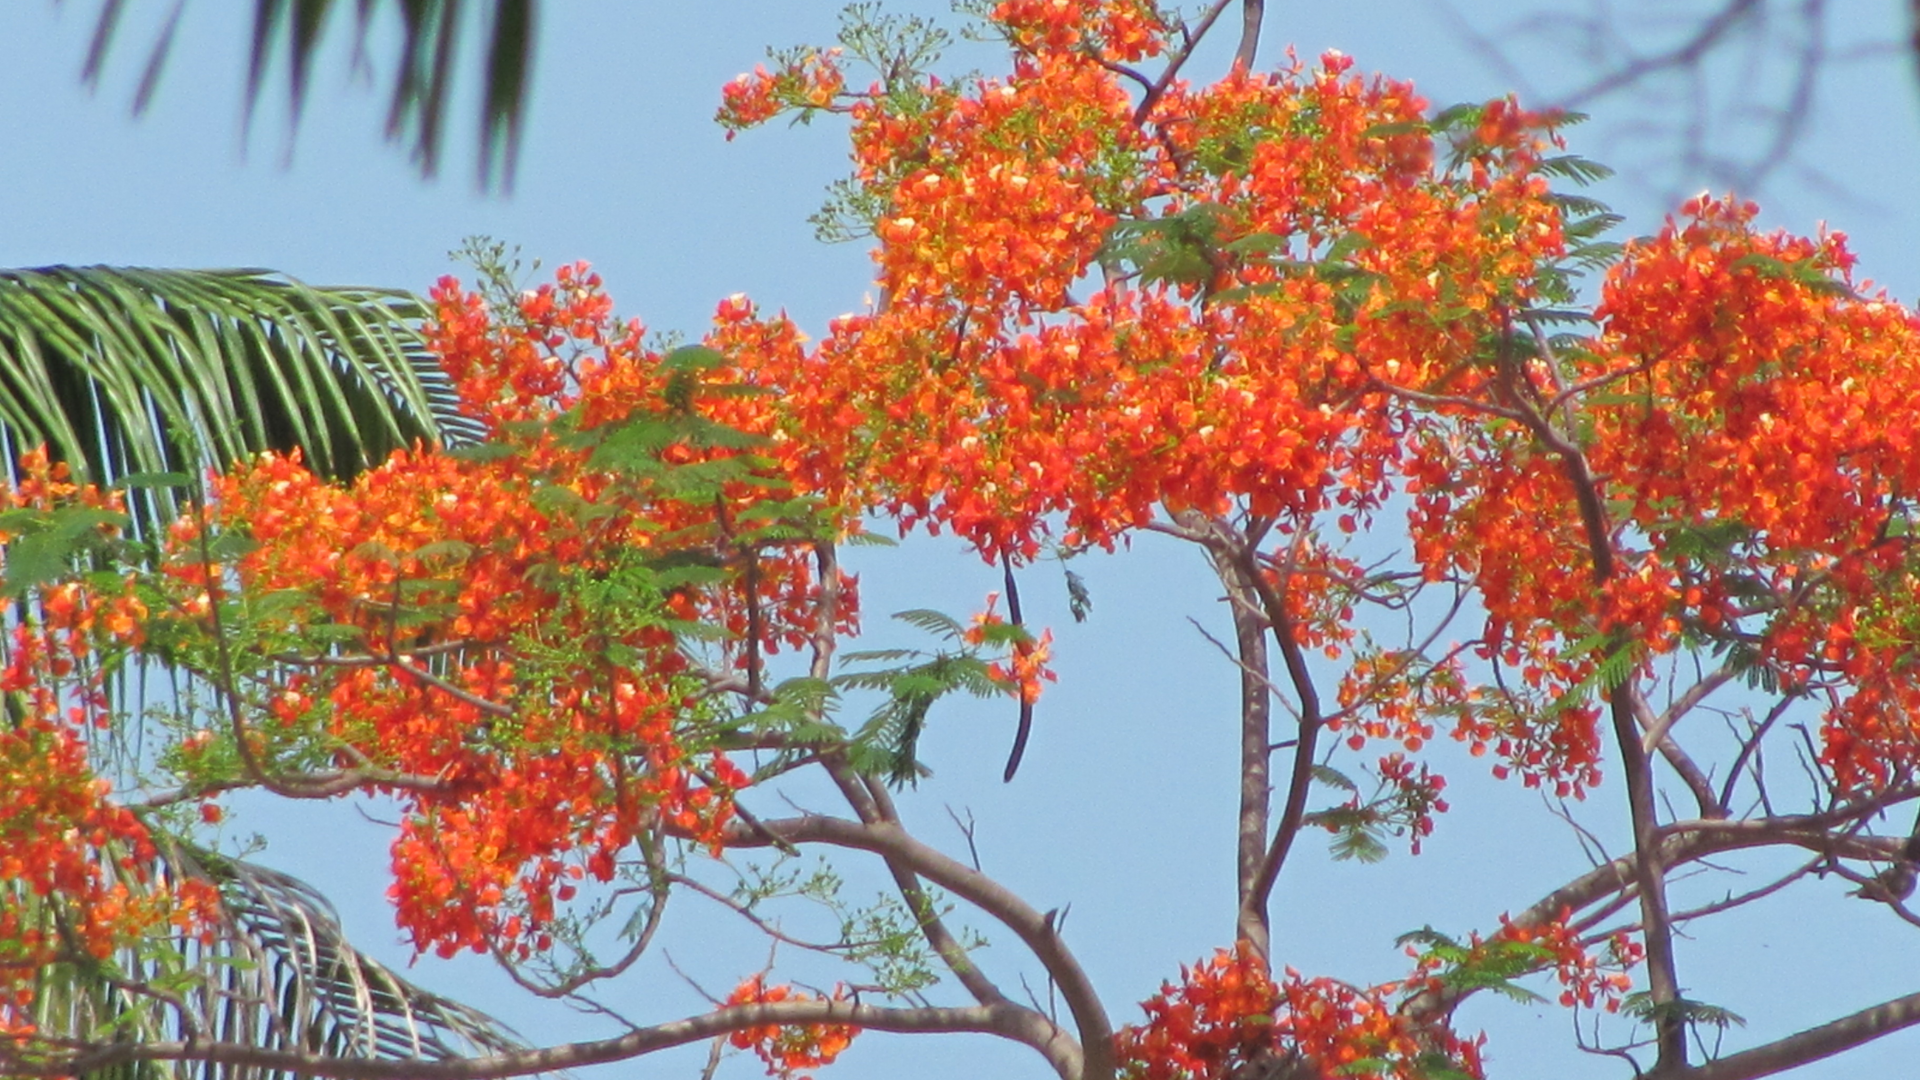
{"x": 1333, "y": 339}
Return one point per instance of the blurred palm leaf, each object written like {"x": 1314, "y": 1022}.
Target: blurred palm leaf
{"x": 430, "y": 38}
{"x": 278, "y": 974}
{"x": 129, "y": 370}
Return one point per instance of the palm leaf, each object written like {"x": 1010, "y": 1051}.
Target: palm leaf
{"x": 423, "y": 72}
{"x": 123, "y": 370}
{"x": 278, "y": 974}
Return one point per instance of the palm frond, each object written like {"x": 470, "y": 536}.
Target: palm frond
{"x": 279, "y": 974}
{"x": 122, "y": 370}
{"x": 423, "y": 72}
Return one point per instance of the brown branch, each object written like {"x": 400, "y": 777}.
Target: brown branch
{"x": 1658, "y": 738}
{"x": 1650, "y": 875}
{"x": 1010, "y": 1022}
{"x": 826, "y": 619}
{"x": 1686, "y": 54}
{"x": 932, "y": 926}
{"x": 1591, "y": 937}
{"x": 1690, "y": 841}
{"x": 1174, "y": 64}
{"x": 1441, "y": 401}
{"x": 1252, "y": 923}
{"x": 871, "y": 803}
{"x": 567, "y": 987}
{"x": 1036, "y": 930}
{"x": 491, "y": 708}
{"x": 1251, "y": 13}
{"x": 1810, "y": 1045}
{"x": 1245, "y": 560}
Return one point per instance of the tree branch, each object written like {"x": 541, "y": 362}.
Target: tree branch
{"x": 1036, "y": 930}
{"x": 932, "y": 926}
{"x": 1251, "y": 13}
{"x": 1256, "y": 738}
{"x": 1813, "y": 1044}
{"x": 1178, "y": 61}
{"x": 1006, "y": 1021}
{"x": 1650, "y": 875}
{"x": 1658, "y": 737}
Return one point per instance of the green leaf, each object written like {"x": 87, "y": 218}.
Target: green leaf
{"x": 1457, "y": 117}
{"x": 1396, "y": 127}
{"x": 878, "y": 656}
{"x": 449, "y": 550}
{"x": 693, "y": 358}
{"x": 1576, "y": 168}
{"x": 35, "y": 560}
{"x": 135, "y": 371}
{"x": 426, "y": 50}
{"x": 154, "y": 480}
{"x": 557, "y": 500}
{"x": 1332, "y": 777}
{"x": 933, "y": 622}
{"x": 372, "y": 550}
{"x": 1358, "y": 843}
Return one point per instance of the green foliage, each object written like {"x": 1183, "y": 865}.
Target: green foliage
{"x": 886, "y": 744}
{"x": 1694, "y": 1014}
{"x": 1614, "y": 662}
{"x": 1808, "y": 273}
{"x": 884, "y": 936}
{"x": 1360, "y": 824}
{"x": 429, "y": 50}
{"x": 1179, "y": 249}
{"x": 801, "y": 710}
{"x": 899, "y": 48}
{"x": 1355, "y": 833}
{"x": 47, "y": 545}
{"x": 122, "y": 371}
{"x": 1482, "y": 965}
{"x": 1583, "y": 221}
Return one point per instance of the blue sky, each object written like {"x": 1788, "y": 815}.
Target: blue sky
{"x": 1124, "y": 806}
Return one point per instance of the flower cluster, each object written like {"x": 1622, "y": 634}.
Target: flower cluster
{"x": 787, "y": 1049}
{"x": 1228, "y": 1013}
{"x": 808, "y": 79}
{"x": 496, "y": 638}
{"x": 1587, "y": 979}
{"x": 68, "y": 851}
{"x": 1025, "y": 668}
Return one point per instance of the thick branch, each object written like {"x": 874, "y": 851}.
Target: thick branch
{"x": 1810, "y": 1045}
{"x": 932, "y": 926}
{"x": 1007, "y": 1021}
{"x": 1690, "y": 841}
{"x": 1300, "y": 778}
{"x": 1650, "y": 875}
{"x": 1251, "y": 14}
{"x": 1036, "y": 930}
{"x": 1256, "y": 748}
